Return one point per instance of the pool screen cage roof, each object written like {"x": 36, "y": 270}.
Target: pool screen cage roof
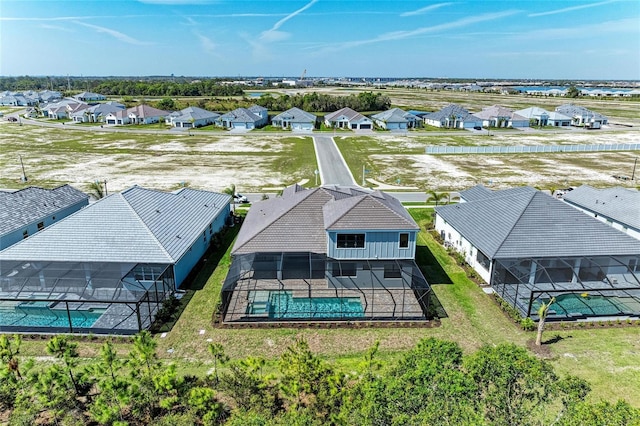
{"x": 311, "y": 287}
{"x": 596, "y": 286}
{"x": 129, "y": 294}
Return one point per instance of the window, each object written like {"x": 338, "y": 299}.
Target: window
{"x": 392, "y": 270}
{"x": 344, "y": 269}
{"x": 350, "y": 241}
{"x": 40, "y": 226}
{"x": 482, "y": 260}
{"x": 25, "y": 234}
{"x": 404, "y": 240}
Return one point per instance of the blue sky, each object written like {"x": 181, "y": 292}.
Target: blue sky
{"x": 465, "y": 39}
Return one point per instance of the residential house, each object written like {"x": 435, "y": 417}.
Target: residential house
{"x": 295, "y": 119}
{"x": 531, "y": 247}
{"x": 191, "y": 117}
{"x": 63, "y": 108}
{"x": 536, "y": 116}
{"x": 558, "y": 120}
{"x": 244, "y": 118}
{"x": 452, "y": 117}
{"x": 583, "y": 117}
{"x": 109, "y": 266}
{"x": 97, "y": 113}
{"x": 328, "y": 253}
{"x": 89, "y": 97}
{"x": 617, "y": 207}
{"x": 145, "y": 114}
{"x": 498, "y": 116}
{"x": 396, "y": 119}
{"x": 346, "y": 118}
{"x": 32, "y": 209}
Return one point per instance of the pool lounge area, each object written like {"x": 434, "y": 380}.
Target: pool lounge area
{"x": 254, "y": 293}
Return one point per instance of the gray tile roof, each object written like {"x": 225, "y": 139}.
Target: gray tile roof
{"x": 448, "y": 111}
{"x": 145, "y": 111}
{"x": 532, "y": 112}
{"x": 498, "y": 111}
{"x": 395, "y": 115}
{"x": 137, "y": 225}
{"x": 240, "y": 115}
{"x": 478, "y": 192}
{"x": 347, "y": 112}
{"x": 298, "y": 221}
{"x": 619, "y": 204}
{"x": 572, "y": 110}
{"x": 295, "y": 115}
{"x": 32, "y": 204}
{"x": 195, "y": 113}
{"x": 533, "y": 224}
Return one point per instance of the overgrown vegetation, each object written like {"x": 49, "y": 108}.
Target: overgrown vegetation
{"x": 434, "y": 383}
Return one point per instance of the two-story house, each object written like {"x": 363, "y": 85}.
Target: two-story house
{"x": 328, "y": 253}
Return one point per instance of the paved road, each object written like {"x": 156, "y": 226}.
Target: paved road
{"x": 333, "y": 169}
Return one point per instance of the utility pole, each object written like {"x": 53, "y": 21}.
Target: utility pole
{"x": 105, "y": 188}
{"x": 633, "y": 175}
{"x": 363, "y": 171}
{"x": 24, "y": 175}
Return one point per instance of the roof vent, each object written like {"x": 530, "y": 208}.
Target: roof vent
{"x": 157, "y": 211}
{"x": 178, "y": 237}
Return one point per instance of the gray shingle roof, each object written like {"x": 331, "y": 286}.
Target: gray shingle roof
{"x": 145, "y": 111}
{"x": 137, "y": 225}
{"x": 298, "y": 221}
{"x": 498, "y": 111}
{"x": 347, "y": 112}
{"x": 532, "y": 112}
{"x": 619, "y": 204}
{"x": 195, "y": 113}
{"x": 532, "y": 224}
{"x": 449, "y": 111}
{"x": 32, "y": 204}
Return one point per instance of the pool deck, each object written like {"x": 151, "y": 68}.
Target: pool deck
{"x": 392, "y": 303}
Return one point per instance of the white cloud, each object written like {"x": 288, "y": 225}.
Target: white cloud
{"x": 426, "y": 9}
{"x": 401, "y": 35}
{"x": 113, "y": 33}
{"x": 207, "y": 44}
{"x": 571, "y": 9}
{"x": 56, "y": 28}
{"x": 273, "y": 34}
{"x": 628, "y": 25}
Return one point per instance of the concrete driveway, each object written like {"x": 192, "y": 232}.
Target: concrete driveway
{"x": 333, "y": 169}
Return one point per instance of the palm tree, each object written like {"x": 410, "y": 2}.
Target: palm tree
{"x": 95, "y": 190}
{"x": 437, "y": 197}
{"x": 542, "y": 317}
{"x": 231, "y": 191}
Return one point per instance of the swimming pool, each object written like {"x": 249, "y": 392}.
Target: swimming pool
{"x": 585, "y": 304}
{"x": 282, "y": 305}
{"x": 37, "y": 314}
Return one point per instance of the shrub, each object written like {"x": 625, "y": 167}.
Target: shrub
{"x": 527, "y": 324}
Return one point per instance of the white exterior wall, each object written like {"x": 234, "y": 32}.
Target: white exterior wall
{"x": 463, "y": 246}
{"x": 604, "y": 219}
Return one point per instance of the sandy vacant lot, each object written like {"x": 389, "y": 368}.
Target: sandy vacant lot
{"x": 259, "y": 162}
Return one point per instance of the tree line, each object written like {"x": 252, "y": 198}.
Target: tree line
{"x": 319, "y": 102}
{"x": 433, "y": 383}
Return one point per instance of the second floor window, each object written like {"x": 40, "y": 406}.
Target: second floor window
{"x": 350, "y": 241}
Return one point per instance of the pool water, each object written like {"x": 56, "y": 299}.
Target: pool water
{"x": 566, "y": 304}
{"x": 31, "y": 315}
{"x": 281, "y": 304}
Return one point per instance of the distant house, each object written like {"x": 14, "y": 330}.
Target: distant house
{"x": 346, "y": 118}
{"x": 558, "y": 120}
{"x": 244, "y": 118}
{"x": 531, "y": 247}
{"x": 617, "y": 207}
{"x": 108, "y": 267}
{"x": 583, "y": 117}
{"x": 295, "y": 119}
{"x": 145, "y": 114}
{"x": 89, "y": 97}
{"x": 498, "y": 116}
{"x": 29, "y": 210}
{"x": 63, "y": 108}
{"x": 327, "y": 253}
{"x": 396, "y": 119}
{"x": 452, "y": 117}
{"x": 96, "y": 113}
{"x": 537, "y": 116}
{"x": 191, "y": 117}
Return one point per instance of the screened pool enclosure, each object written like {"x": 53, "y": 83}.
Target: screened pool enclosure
{"x": 311, "y": 287}
{"x": 74, "y": 297}
{"x": 584, "y": 287}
